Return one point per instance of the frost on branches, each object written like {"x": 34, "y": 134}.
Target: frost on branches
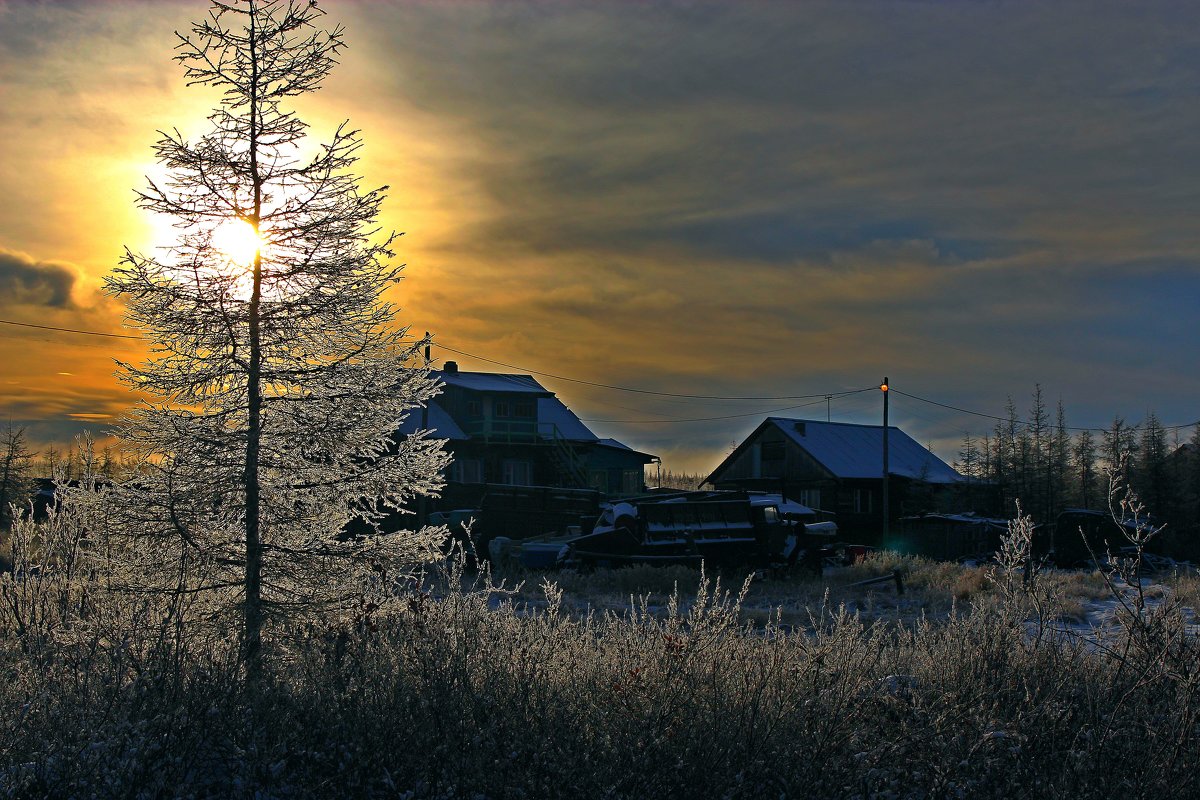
{"x": 277, "y": 375}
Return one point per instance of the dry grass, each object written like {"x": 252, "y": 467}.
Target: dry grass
{"x": 616, "y": 684}
{"x": 932, "y": 589}
{"x": 1185, "y": 587}
{"x": 473, "y": 695}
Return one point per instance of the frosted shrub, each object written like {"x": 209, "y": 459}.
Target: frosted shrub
{"x": 460, "y": 689}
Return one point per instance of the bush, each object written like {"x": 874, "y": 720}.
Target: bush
{"x": 462, "y": 690}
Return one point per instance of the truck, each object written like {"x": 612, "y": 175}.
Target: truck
{"x": 719, "y": 528}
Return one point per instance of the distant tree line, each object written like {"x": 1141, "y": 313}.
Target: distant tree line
{"x": 670, "y": 479}
{"x": 1041, "y": 461}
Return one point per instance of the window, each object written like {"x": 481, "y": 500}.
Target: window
{"x": 631, "y": 481}
{"x": 501, "y": 408}
{"x": 809, "y": 497}
{"x": 523, "y": 409}
{"x": 467, "y": 470}
{"x": 517, "y": 473}
{"x": 474, "y": 408}
{"x": 862, "y": 501}
{"x": 598, "y": 479}
{"x": 772, "y": 451}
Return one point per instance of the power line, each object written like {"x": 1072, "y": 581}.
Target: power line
{"x": 820, "y": 397}
{"x": 1023, "y": 423}
{"x": 614, "y": 387}
{"x": 69, "y": 330}
{"x": 712, "y": 419}
{"x": 650, "y": 391}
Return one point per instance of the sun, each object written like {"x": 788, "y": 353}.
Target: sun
{"x": 238, "y": 241}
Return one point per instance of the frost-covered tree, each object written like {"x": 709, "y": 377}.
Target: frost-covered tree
{"x": 15, "y": 479}
{"x": 277, "y": 375}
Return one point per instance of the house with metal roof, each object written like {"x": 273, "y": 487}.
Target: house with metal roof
{"x": 838, "y": 467}
{"x": 509, "y": 429}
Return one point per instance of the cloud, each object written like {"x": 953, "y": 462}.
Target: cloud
{"x": 704, "y": 197}
{"x": 27, "y": 281}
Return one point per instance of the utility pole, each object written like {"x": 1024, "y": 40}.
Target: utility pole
{"x": 828, "y": 400}
{"x": 422, "y": 515}
{"x": 883, "y": 387}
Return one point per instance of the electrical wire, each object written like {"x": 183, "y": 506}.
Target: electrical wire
{"x": 510, "y": 366}
{"x": 1023, "y": 423}
{"x": 712, "y": 419}
{"x": 818, "y": 398}
{"x": 69, "y": 330}
{"x": 649, "y": 391}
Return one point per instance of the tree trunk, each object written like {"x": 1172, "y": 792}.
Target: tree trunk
{"x": 253, "y": 611}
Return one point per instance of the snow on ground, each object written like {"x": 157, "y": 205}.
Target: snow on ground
{"x": 1104, "y": 618}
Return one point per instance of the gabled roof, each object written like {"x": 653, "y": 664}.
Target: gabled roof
{"x": 847, "y": 450}
{"x": 491, "y": 382}
{"x": 440, "y": 424}
{"x": 552, "y": 411}
{"x": 615, "y": 445}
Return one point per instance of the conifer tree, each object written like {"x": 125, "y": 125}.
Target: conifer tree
{"x": 16, "y": 482}
{"x": 1036, "y": 466}
{"x": 278, "y": 375}
{"x": 1060, "y": 460}
{"x": 1119, "y": 449}
{"x": 1152, "y": 481}
{"x": 1083, "y": 464}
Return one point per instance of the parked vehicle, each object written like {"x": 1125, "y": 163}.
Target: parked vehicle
{"x": 1082, "y": 537}
{"x": 715, "y": 527}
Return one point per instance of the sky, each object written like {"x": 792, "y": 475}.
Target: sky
{"x": 759, "y": 199}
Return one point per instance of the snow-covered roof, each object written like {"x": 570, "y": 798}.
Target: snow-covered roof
{"x": 552, "y": 411}
{"x": 440, "y": 424}
{"x": 490, "y": 382}
{"x": 614, "y": 444}
{"x": 965, "y": 519}
{"x": 856, "y": 451}
{"x": 784, "y": 505}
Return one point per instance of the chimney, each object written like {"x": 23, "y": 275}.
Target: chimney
{"x": 451, "y": 368}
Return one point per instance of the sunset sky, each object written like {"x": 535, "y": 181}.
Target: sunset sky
{"x": 714, "y": 198}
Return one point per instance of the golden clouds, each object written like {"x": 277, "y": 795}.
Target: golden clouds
{"x": 712, "y": 197}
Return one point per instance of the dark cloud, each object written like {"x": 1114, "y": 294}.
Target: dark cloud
{"x": 721, "y": 197}
{"x": 784, "y": 131}
{"x": 25, "y": 281}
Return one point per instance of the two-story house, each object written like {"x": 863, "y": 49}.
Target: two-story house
{"x": 509, "y": 429}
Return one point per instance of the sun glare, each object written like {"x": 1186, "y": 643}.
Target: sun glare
{"x": 238, "y": 241}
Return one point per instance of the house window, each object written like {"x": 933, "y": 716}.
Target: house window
{"x": 598, "y": 479}
{"x": 809, "y": 497}
{"x": 631, "y": 481}
{"x": 467, "y": 470}
{"x": 517, "y": 473}
{"x": 863, "y": 501}
{"x": 772, "y": 459}
{"x": 501, "y": 408}
{"x": 523, "y": 409}
{"x": 474, "y": 408}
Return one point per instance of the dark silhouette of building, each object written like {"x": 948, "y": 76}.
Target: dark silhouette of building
{"x": 838, "y": 467}
{"x": 509, "y": 429}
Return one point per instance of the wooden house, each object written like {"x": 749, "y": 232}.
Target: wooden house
{"x": 509, "y": 429}
{"x": 838, "y": 467}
